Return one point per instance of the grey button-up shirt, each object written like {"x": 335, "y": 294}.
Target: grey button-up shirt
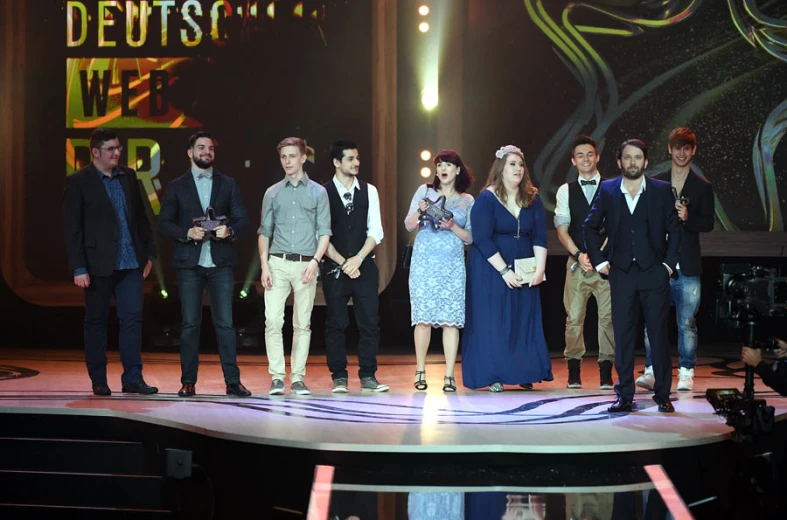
{"x": 295, "y": 216}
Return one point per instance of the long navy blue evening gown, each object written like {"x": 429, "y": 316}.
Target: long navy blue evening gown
{"x": 504, "y": 337}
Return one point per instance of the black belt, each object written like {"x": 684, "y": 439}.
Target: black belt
{"x": 292, "y": 257}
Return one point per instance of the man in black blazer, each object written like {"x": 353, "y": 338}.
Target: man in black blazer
{"x": 640, "y": 257}
{"x": 110, "y": 249}
{"x": 204, "y": 258}
{"x": 696, "y": 209}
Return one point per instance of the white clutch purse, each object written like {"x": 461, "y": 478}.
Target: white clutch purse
{"x": 525, "y": 268}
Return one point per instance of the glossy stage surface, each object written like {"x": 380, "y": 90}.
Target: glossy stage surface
{"x": 549, "y": 419}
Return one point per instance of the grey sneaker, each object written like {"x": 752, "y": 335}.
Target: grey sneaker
{"x": 371, "y": 383}
{"x": 277, "y": 387}
{"x": 339, "y": 385}
{"x": 300, "y": 388}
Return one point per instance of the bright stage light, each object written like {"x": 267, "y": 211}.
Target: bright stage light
{"x": 423, "y": 10}
{"x": 423, "y": 27}
{"x": 429, "y": 98}
{"x": 426, "y": 155}
{"x": 426, "y": 172}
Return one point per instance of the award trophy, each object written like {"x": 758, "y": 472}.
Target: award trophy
{"x": 209, "y": 222}
{"x": 435, "y": 212}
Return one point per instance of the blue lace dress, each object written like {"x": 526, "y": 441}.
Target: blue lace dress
{"x": 437, "y": 268}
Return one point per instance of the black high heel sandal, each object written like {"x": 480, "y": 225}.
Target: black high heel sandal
{"x": 449, "y": 384}
{"x": 420, "y": 383}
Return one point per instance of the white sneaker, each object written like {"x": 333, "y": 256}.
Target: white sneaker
{"x": 686, "y": 379}
{"x": 647, "y": 380}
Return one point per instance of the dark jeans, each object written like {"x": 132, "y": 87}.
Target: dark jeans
{"x": 126, "y": 287}
{"x": 192, "y": 284}
{"x": 648, "y": 289}
{"x": 363, "y": 291}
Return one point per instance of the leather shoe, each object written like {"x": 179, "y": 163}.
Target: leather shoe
{"x": 237, "y": 389}
{"x": 101, "y": 389}
{"x": 187, "y": 390}
{"x": 140, "y": 387}
{"x": 620, "y": 406}
{"x": 665, "y": 406}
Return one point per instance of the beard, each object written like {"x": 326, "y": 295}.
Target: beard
{"x": 633, "y": 173}
{"x": 203, "y": 163}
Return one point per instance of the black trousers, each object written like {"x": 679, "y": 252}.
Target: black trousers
{"x": 631, "y": 290}
{"x": 363, "y": 291}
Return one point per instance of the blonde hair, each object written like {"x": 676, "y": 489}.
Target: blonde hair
{"x": 293, "y": 141}
{"x": 526, "y": 191}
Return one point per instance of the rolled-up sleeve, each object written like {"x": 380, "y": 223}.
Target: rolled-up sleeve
{"x": 562, "y": 211}
{"x": 539, "y": 223}
{"x": 483, "y": 218}
{"x": 323, "y": 213}
{"x": 266, "y": 213}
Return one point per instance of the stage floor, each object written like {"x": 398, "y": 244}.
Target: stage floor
{"x": 549, "y": 419}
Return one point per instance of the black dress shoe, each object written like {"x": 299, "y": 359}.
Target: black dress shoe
{"x": 140, "y": 387}
{"x": 237, "y": 389}
{"x": 187, "y": 390}
{"x": 665, "y": 406}
{"x": 101, "y": 389}
{"x": 620, "y": 406}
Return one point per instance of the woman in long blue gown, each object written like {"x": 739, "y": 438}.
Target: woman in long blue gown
{"x": 503, "y": 342}
{"x": 437, "y": 268}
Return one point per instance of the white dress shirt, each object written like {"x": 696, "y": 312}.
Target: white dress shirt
{"x": 374, "y": 223}
{"x": 562, "y": 210}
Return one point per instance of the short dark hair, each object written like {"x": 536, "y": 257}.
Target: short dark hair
{"x": 632, "y": 142}
{"x": 681, "y": 137}
{"x": 338, "y": 148}
{"x": 582, "y": 139}
{"x": 200, "y": 135}
{"x": 463, "y": 179}
{"x": 99, "y": 136}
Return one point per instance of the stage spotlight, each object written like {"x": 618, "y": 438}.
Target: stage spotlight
{"x": 426, "y": 155}
{"x": 426, "y": 172}
{"x": 429, "y": 98}
{"x": 423, "y": 27}
{"x": 423, "y": 10}
{"x": 246, "y": 314}
{"x": 164, "y": 318}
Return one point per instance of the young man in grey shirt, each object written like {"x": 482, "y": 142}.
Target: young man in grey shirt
{"x": 293, "y": 236}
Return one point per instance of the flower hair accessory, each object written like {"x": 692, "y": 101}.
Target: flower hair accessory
{"x": 507, "y": 149}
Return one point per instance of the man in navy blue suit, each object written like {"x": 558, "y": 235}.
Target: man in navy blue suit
{"x": 641, "y": 223}
{"x": 204, "y": 258}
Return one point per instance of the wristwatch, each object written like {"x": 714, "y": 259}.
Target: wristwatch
{"x": 577, "y": 253}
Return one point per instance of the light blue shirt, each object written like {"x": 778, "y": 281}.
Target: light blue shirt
{"x": 204, "y": 184}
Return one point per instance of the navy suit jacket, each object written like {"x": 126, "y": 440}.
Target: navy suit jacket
{"x": 90, "y": 222}
{"x": 665, "y": 232}
{"x": 181, "y": 205}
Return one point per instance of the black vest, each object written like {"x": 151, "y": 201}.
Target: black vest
{"x": 579, "y": 208}
{"x": 349, "y": 231}
{"x": 633, "y": 236}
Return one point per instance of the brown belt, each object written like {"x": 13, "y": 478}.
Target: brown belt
{"x": 292, "y": 257}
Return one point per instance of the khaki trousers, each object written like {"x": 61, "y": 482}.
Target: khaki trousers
{"x": 287, "y": 278}
{"x": 576, "y": 293}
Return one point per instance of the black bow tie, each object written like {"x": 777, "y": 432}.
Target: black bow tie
{"x": 585, "y": 183}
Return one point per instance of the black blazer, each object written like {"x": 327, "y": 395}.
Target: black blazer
{"x": 181, "y": 205}
{"x": 90, "y": 222}
{"x": 665, "y": 230}
{"x": 702, "y": 209}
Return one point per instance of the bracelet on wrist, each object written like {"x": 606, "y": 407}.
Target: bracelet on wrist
{"x": 359, "y": 255}
{"x": 577, "y": 253}
{"x": 504, "y": 270}
{"x": 316, "y": 260}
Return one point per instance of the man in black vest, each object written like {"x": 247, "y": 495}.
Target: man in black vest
{"x": 350, "y": 270}
{"x": 696, "y": 208}
{"x": 582, "y": 280}
{"x": 110, "y": 249}
{"x": 641, "y": 255}
{"x": 204, "y": 259}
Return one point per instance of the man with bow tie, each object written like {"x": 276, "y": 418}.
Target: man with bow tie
{"x": 204, "y": 259}
{"x": 574, "y": 200}
{"x": 356, "y": 229}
